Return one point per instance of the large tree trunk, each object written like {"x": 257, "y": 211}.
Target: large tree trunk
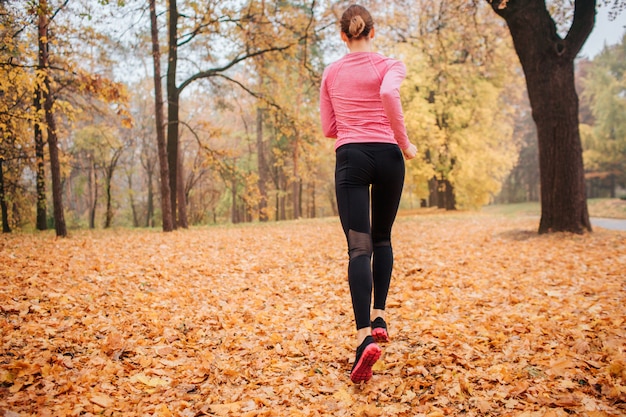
{"x": 42, "y": 216}
{"x": 6, "y": 228}
{"x": 55, "y": 169}
{"x": 548, "y": 63}
{"x": 172, "y": 108}
{"x": 166, "y": 206}
{"x": 53, "y": 143}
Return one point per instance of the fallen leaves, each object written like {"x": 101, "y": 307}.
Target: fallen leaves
{"x": 485, "y": 316}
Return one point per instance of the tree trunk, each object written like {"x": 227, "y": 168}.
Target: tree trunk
{"x": 312, "y": 213}
{"x": 6, "y": 227}
{"x": 53, "y": 143}
{"x": 109, "y": 171}
{"x": 172, "y": 108}
{"x": 166, "y": 206}
{"x": 108, "y": 218}
{"x": 441, "y": 193}
{"x": 296, "y": 183}
{"x": 432, "y": 192}
{"x": 449, "y": 196}
{"x": 548, "y": 63}
{"x": 281, "y": 204}
{"x": 55, "y": 169}
{"x": 263, "y": 174}
{"x": 42, "y": 215}
{"x": 92, "y": 184}
{"x": 234, "y": 218}
{"x": 150, "y": 203}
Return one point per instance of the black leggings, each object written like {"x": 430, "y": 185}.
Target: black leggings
{"x": 358, "y": 166}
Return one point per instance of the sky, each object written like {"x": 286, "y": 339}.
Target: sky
{"x": 604, "y": 32}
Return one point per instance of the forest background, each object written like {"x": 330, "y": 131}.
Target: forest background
{"x": 249, "y": 143}
{"x": 486, "y": 316}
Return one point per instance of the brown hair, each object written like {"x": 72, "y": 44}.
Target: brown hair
{"x": 356, "y": 22}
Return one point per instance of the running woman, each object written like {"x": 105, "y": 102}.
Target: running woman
{"x": 360, "y": 107}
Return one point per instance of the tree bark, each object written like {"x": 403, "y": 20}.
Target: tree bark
{"x": 53, "y": 143}
{"x": 548, "y": 64}
{"x": 172, "y": 108}
{"x": 108, "y": 219}
{"x": 6, "y": 227}
{"x": 42, "y": 215}
{"x": 109, "y": 171}
{"x": 55, "y": 169}
{"x": 93, "y": 193}
{"x": 166, "y": 206}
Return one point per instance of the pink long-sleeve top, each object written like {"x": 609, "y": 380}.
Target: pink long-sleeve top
{"x": 360, "y": 100}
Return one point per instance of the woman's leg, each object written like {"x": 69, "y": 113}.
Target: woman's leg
{"x": 353, "y": 175}
{"x": 386, "y": 193}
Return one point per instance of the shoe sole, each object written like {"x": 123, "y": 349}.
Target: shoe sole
{"x": 380, "y": 335}
{"x": 363, "y": 369}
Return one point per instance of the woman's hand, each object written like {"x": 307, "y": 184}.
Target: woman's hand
{"x": 410, "y": 152}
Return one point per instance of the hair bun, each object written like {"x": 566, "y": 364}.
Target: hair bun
{"x": 356, "y": 22}
{"x": 356, "y": 26}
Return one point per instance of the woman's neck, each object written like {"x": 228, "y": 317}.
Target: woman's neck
{"x": 360, "y": 45}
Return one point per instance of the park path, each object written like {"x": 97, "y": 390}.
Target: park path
{"x": 612, "y": 224}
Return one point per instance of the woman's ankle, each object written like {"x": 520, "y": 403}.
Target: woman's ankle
{"x": 378, "y": 313}
{"x": 361, "y": 334}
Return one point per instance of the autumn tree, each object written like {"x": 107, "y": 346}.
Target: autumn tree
{"x": 199, "y": 26}
{"x": 145, "y": 162}
{"x": 44, "y": 13}
{"x": 547, "y": 59}
{"x": 19, "y": 79}
{"x": 15, "y": 91}
{"x": 101, "y": 147}
{"x": 286, "y": 123}
{"x": 459, "y": 99}
{"x": 159, "y": 118}
{"x": 604, "y": 135}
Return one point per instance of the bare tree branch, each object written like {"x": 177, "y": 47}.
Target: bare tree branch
{"x": 217, "y": 71}
{"x": 584, "y": 21}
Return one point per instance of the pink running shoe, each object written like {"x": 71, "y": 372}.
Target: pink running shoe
{"x": 379, "y": 330}
{"x": 366, "y": 356}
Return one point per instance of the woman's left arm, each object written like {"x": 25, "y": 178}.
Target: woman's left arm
{"x": 390, "y": 96}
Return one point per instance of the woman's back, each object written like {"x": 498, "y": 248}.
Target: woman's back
{"x": 353, "y": 105}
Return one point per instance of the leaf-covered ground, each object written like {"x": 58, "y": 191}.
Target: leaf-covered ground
{"x": 486, "y": 318}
